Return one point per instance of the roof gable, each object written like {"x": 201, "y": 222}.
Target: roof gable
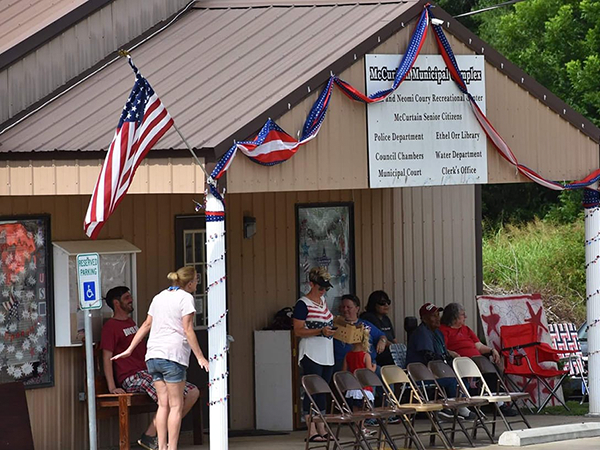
{"x": 222, "y": 72}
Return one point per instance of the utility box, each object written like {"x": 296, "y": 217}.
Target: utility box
{"x": 274, "y": 393}
{"x": 117, "y": 268}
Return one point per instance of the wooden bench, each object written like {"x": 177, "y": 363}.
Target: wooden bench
{"x": 123, "y": 405}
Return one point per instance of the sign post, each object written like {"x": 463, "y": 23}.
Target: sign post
{"x": 88, "y": 282}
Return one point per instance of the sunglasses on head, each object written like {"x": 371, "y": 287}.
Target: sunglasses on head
{"x": 384, "y": 302}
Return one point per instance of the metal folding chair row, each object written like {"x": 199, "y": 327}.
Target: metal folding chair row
{"x": 466, "y": 368}
{"x": 426, "y": 381}
{"x": 345, "y": 381}
{"x": 314, "y": 385}
{"x": 486, "y": 367}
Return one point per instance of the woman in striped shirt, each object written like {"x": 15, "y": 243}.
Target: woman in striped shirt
{"x": 313, "y": 323}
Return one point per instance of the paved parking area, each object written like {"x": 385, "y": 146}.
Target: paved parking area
{"x": 295, "y": 440}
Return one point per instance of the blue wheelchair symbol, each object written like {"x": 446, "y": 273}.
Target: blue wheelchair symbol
{"x": 89, "y": 291}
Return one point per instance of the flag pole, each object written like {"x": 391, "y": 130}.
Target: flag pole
{"x": 202, "y": 166}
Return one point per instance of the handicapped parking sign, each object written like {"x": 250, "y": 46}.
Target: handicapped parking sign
{"x": 89, "y": 291}
{"x": 88, "y": 280}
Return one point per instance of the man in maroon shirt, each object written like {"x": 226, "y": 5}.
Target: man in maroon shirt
{"x": 131, "y": 374}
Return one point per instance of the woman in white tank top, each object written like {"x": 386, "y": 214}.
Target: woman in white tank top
{"x": 170, "y": 323}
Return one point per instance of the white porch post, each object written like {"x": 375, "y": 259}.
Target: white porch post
{"x": 217, "y": 322}
{"x": 592, "y": 282}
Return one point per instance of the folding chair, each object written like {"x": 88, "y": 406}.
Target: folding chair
{"x": 424, "y": 379}
{"x": 523, "y": 352}
{"x": 313, "y": 385}
{"x": 466, "y": 368}
{"x": 344, "y": 381}
{"x": 565, "y": 340}
{"x": 442, "y": 370}
{"x": 486, "y": 366}
{"x": 369, "y": 378}
{"x": 398, "y": 352}
{"x": 394, "y": 375}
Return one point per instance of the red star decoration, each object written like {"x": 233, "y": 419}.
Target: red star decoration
{"x": 492, "y": 321}
{"x": 536, "y": 319}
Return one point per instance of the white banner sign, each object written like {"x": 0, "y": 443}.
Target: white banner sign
{"x": 425, "y": 133}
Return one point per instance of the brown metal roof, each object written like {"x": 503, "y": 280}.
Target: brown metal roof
{"x": 215, "y": 70}
{"x": 264, "y": 3}
{"x": 21, "y": 19}
{"x": 222, "y": 71}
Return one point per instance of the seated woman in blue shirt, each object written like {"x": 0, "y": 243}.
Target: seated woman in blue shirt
{"x": 349, "y": 308}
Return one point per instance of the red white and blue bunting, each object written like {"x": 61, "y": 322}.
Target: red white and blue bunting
{"x": 273, "y": 145}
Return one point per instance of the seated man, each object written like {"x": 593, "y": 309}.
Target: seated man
{"x": 131, "y": 373}
{"x": 427, "y": 341}
{"x": 427, "y": 344}
{"x": 349, "y": 308}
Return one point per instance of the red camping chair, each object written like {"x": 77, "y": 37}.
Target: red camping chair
{"x": 523, "y": 352}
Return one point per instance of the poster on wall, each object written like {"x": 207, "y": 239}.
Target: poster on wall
{"x": 325, "y": 238}
{"x": 425, "y": 133}
{"x": 26, "y": 301}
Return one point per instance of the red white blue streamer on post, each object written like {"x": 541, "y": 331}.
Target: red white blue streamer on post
{"x": 218, "y": 343}
{"x": 490, "y": 131}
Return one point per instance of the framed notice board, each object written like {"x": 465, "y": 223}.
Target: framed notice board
{"x": 26, "y": 337}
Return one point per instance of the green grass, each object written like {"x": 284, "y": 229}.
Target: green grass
{"x": 540, "y": 256}
{"x": 574, "y": 406}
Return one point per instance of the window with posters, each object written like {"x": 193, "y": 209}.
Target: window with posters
{"x": 325, "y": 238}
{"x": 26, "y": 301}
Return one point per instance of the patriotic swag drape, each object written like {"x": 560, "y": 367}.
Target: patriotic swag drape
{"x": 273, "y": 145}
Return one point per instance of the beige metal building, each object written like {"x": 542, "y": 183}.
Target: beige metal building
{"x": 222, "y": 69}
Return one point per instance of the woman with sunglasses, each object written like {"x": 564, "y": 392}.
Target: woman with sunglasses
{"x": 313, "y": 324}
{"x": 376, "y": 312}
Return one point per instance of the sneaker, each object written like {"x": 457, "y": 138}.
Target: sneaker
{"x": 446, "y": 414}
{"x": 371, "y": 423}
{"x": 368, "y": 433}
{"x": 508, "y": 410}
{"x": 465, "y": 413}
{"x": 394, "y": 420}
{"x": 148, "y": 442}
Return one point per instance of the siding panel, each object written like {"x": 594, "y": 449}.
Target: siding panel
{"x": 395, "y": 251}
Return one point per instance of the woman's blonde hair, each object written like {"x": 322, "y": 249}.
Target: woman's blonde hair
{"x": 365, "y": 339}
{"x": 182, "y": 277}
{"x": 318, "y": 272}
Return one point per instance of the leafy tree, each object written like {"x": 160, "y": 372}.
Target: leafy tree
{"x": 555, "y": 41}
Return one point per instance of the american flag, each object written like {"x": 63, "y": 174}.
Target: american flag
{"x": 143, "y": 122}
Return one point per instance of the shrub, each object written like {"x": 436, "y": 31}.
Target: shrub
{"x": 540, "y": 256}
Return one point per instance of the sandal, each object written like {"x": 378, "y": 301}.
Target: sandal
{"x": 315, "y": 438}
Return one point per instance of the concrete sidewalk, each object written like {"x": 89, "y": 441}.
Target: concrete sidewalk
{"x": 295, "y": 440}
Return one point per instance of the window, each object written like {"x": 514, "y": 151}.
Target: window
{"x": 190, "y": 250}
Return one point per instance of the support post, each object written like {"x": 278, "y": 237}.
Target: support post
{"x": 91, "y": 387}
{"x": 217, "y": 322}
{"x": 591, "y": 200}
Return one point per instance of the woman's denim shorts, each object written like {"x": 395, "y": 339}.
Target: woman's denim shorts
{"x": 166, "y": 370}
